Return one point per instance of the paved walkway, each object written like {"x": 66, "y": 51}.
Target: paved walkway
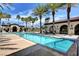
{"x": 12, "y": 43}
{"x": 36, "y": 50}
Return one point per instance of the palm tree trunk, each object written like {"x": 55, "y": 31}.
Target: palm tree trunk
{"x": 0, "y": 21}
{"x": 53, "y": 15}
{"x": 40, "y": 23}
{"x": 26, "y": 26}
{"x": 8, "y": 25}
{"x": 18, "y": 21}
{"x": 68, "y": 17}
{"x": 32, "y": 26}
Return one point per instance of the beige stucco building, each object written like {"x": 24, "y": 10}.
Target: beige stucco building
{"x": 11, "y": 28}
{"x": 61, "y": 27}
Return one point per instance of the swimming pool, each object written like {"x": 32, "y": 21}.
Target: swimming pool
{"x": 59, "y": 44}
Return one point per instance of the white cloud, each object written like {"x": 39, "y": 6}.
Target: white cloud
{"x": 57, "y": 18}
{"x": 22, "y": 12}
{"x": 25, "y": 13}
{"x": 29, "y": 13}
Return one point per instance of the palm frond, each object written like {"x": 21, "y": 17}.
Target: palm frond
{"x": 1, "y": 7}
{"x": 5, "y": 5}
{"x": 69, "y": 5}
{"x": 41, "y": 9}
{"x": 55, "y": 6}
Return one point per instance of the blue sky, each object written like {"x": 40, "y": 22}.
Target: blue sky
{"x": 25, "y": 10}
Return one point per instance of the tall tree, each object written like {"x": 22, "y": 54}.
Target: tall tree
{"x": 8, "y": 16}
{"x": 68, "y": 9}
{"x": 2, "y": 15}
{"x": 40, "y": 11}
{"x": 53, "y": 7}
{"x": 33, "y": 21}
{"x": 26, "y": 20}
{"x": 18, "y": 17}
{"x": 2, "y": 7}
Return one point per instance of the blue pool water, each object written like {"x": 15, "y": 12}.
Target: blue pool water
{"x": 58, "y": 44}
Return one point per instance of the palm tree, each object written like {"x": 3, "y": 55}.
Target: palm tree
{"x": 33, "y": 20}
{"x": 29, "y": 19}
{"x": 2, "y": 15}
{"x": 8, "y": 16}
{"x": 54, "y": 7}
{"x": 40, "y": 11}
{"x": 18, "y": 17}
{"x": 68, "y": 9}
{"x": 2, "y": 6}
{"x": 26, "y": 20}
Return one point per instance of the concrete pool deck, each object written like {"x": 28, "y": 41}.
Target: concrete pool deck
{"x": 18, "y": 46}
{"x": 15, "y": 44}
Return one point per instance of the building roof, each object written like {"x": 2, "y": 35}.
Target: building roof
{"x": 65, "y": 20}
{"x": 12, "y": 24}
